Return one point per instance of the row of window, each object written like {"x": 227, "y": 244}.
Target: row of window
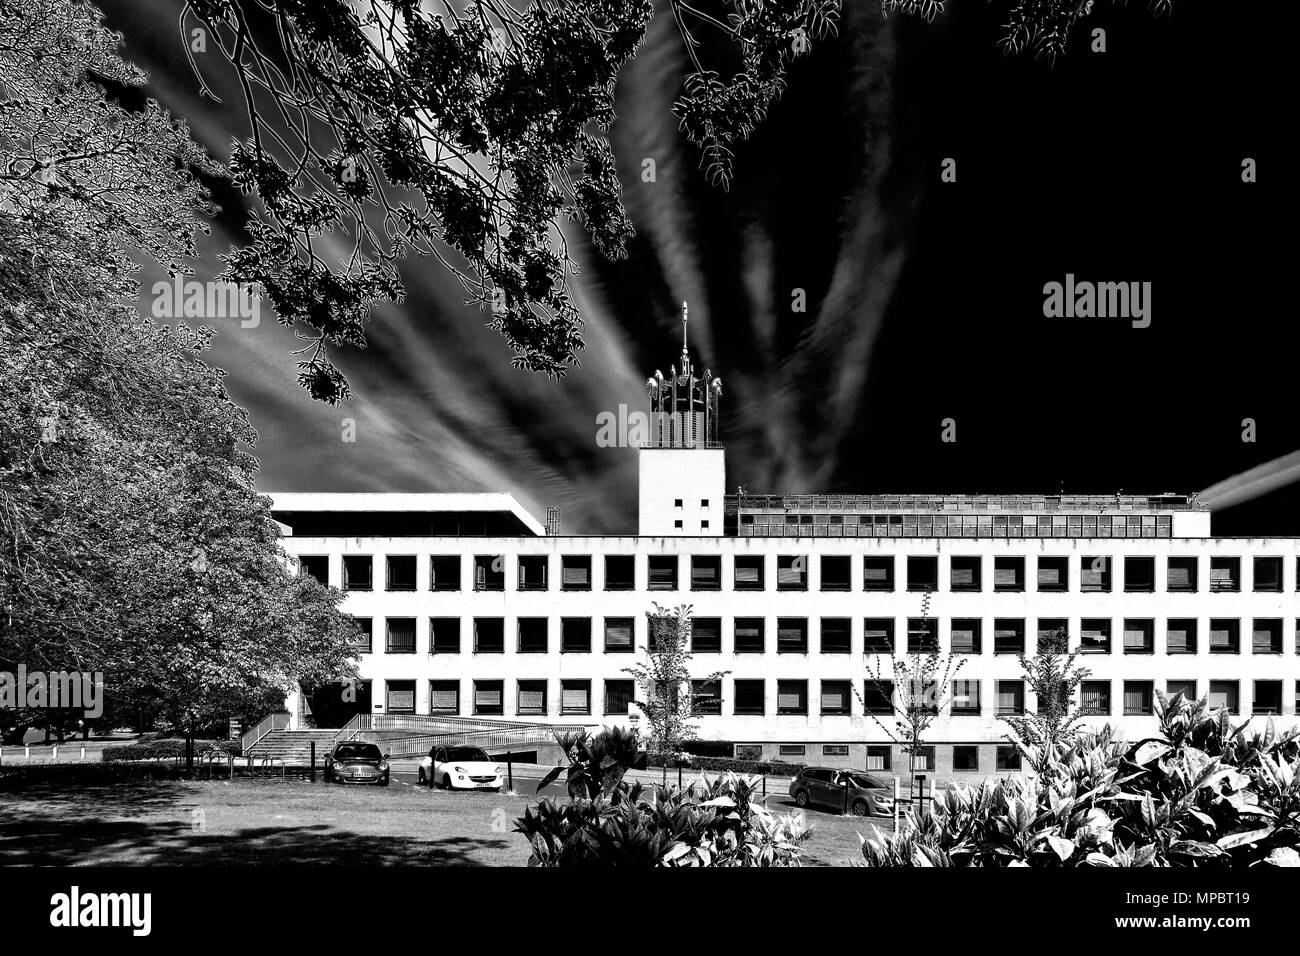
{"x": 835, "y": 697}
{"x": 749, "y": 573}
{"x": 749, "y": 635}
{"x": 956, "y": 526}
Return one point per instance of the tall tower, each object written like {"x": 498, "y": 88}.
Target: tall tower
{"x": 682, "y": 468}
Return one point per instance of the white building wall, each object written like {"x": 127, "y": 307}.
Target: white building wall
{"x": 694, "y": 476}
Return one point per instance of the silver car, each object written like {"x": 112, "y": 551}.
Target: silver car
{"x": 825, "y": 787}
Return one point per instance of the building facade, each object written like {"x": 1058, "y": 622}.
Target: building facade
{"x": 473, "y": 609}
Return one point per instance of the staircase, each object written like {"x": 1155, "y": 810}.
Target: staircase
{"x": 294, "y": 746}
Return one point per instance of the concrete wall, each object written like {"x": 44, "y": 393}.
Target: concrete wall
{"x": 691, "y": 475}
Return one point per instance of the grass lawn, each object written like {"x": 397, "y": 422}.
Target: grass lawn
{"x": 290, "y": 821}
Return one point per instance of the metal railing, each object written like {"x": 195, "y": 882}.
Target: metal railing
{"x": 264, "y": 727}
{"x": 416, "y": 734}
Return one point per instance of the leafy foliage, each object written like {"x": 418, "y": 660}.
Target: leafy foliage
{"x": 469, "y": 132}
{"x": 1199, "y": 793}
{"x": 718, "y": 822}
{"x": 596, "y": 764}
{"x": 134, "y": 541}
{"x": 1043, "y": 26}
{"x": 1053, "y": 676}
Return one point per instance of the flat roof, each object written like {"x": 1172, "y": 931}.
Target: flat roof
{"x": 287, "y": 504}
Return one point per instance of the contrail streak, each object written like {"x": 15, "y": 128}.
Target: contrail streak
{"x": 1253, "y": 483}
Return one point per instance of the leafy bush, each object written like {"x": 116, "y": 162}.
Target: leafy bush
{"x": 168, "y": 748}
{"x": 778, "y": 768}
{"x": 1200, "y": 793}
{"x": 607, "y": 822}
{"x": 719, "y": 822}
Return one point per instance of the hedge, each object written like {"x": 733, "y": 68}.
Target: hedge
{"x": 168, "y": 748}
{"x": 775, "y": 768}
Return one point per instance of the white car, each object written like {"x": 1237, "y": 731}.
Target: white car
{"x": 460, "y": 768}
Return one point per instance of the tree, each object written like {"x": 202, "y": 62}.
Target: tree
{"x": 469, "y": 132}
{"x": 1053, "y": 677}
{"x": 665, "y": 679}
{"x": 1043, "y": 26}
{"x": 915, "y": 686}
{"x": 134, "y": 543}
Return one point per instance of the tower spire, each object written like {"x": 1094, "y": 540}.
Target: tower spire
{"x": 684, "y": 319}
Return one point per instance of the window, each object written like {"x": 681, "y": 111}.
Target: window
{"x": 965, "y": 758}
{"x": 399, "y": 697}
{"x": 1139, "y": 635}
{"x": 1094, "y": 635}
{"x": 749, "y": 635}
{"x": 748, "y": 573}
{"x": 1011, "y": 697}
{"x": 532, "y": 635}
{"x": 1267, "y": 636}
{"x": 364, "y": 641}
{"x": 1185, "y": 687}
{"x": 532, "y": 572}
{"x": 1094, "y": 698}
{"x": 1225, "y": 574}
{"x": 575, "y": 697}
{"x": 836, "y": 572}
{"x": 489, "y": 635}
{"x": 358, "y": 572}
{"x": 878, "y": 574}
{"x": 704, "y": 502}
{"x": 444, "y": 698}
{"x": 444, "y": 572}
{"x": 879, "y": 756}
{"x": 835, "y": 697}
{"x": 922, "y": 635}
{"x": 1053, "y": 574}
{"x": 792, "y": 572}
{"x": 706, "y": 572}
{"x": 706, "y": 697}
{"x": 792, "y": 697}
{"x": 575, "y": 572}
{"x": 878, "y": 635}
{"x": 1094, "y": 573}
{"x": 878, "y": 697}
{"x": 1053, "y": 634}
{"x": 791, "y": 750}
{"x": 444, "y": 635}
{"x": 1139, "y": 574}
{"x": 749, "y": 696}
{"x": 966, "y": 635}
{"x": 619, "y": 695}
{"x": 677, "y": 523}
{"x": 792, "y": 635}
{"x": 663, "y": 572}
{"x": 532, "y": 698}
{"x": 835, "y": 750}
{"x": 618, "y": 635}
{"x": 620, "y": 572}
{"x": 965, "y": 574}
{"x": 1225, "y": 636}
{"x": 1008, "y": 574}
{"x": 1223, "y": 695}
{"x": 488, "y": 695}
{"x": 1180, "y": 635}
{"x": 1008, "y": 636}
{"x": 401, "y": 572}
{"x": 965, "y": 698}
{"x": 1181, "y": 574}
{"x": 706, "y": 635}
{"x": 315, "y": 566}
{"x": 1008, "y": 758}
{"x": 1268, "y": 574}
{"x": 401, "y": 635}
{"x": 575, "y": 635}
{"x": 489, "y": 572}
{"x": 1268, "y": 697}
{"x": 836, "y": 638}
{"x": 922, "y": 573}
{"x": 923, "y": 760}
{"x": 1138, "y": 697}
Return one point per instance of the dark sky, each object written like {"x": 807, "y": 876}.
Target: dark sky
{"x": 924, "y": 298}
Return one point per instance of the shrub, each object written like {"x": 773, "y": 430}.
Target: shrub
{"x": 1200, "y": 793}
{"x": 718, "y": 822}
{"x": 777, "y": 768}
{"x": 167, "y": 748}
